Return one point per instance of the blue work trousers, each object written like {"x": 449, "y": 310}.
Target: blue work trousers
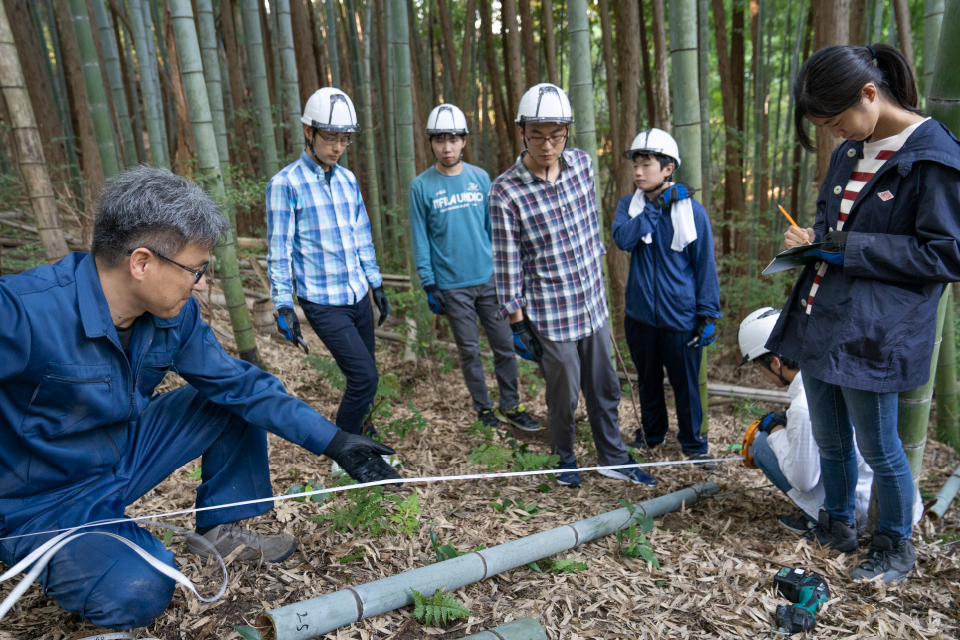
{"x": 347, "y": 333}
{"x": 766, "y": 459}
{"x": 100, "y": 578}
{"x": 835, "y": 412}
{"x": 652, "y": 349}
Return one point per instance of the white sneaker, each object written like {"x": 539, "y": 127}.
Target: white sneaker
{"x": 390, "y": 460}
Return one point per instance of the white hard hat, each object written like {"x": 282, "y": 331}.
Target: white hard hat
{"x": 755, "y": 331}
{"x": 544, "y": 102}
{"x": 654, "y": 141}
{"x": 330, "y": 109}
{"x": 447, "y": 118}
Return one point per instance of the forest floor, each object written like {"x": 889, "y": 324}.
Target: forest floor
{"x": 717, "y": 558}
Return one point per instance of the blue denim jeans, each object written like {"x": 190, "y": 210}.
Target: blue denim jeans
{"x": 835, "y": 412}
{"x": 766, "y": 459}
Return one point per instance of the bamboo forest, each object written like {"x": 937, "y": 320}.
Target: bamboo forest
{"x": 417, "y": 231}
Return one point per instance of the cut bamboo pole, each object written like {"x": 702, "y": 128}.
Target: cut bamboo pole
{"x": 318, "y": 616}
{"x": 944, "y": 497}
{"x": 33, "y": 168}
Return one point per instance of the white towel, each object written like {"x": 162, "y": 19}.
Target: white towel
{"x": 681, "y": 215}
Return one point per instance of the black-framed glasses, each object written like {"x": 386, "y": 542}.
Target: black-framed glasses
{"x": 554, "y": 140}
{"x": 346, "y": 141}
{"x": 199, "y": 274}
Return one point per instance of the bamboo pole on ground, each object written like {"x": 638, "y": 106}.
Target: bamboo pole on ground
{"x": 261, "y": 92}
{"x": 208, "y": 165}
{"x": 209, "y": 51}
{"x": 147, "y": 67}
{"x": 291, "y": 84}
{"x": 373, "y": 177}
{"x": 111, "y": 59}
{"x": 28, "y": 146}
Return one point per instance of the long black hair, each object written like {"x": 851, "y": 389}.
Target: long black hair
{"x": 832, "y": 81}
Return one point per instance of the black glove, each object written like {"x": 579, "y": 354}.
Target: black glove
{"x": 435, "y": 299}
{"x": 832, "y": 249}
{"x": 773, "y": 419}
{"x": 703, "y": 334}
{"x": 360, "y": 457}
{"x": 380, "y": 299}
{"x": 288, "y": 325}
{"x": 525, "y": 343}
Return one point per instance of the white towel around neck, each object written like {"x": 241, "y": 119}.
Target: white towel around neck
{"x": 681, "y": 215}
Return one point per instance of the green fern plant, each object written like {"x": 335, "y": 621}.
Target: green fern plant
{"x": 567, "y": 565}
{"x": 491, "y": 456}
{"x": 440, "y": 608}
{"x": 330, "y": 370}
{"x": 407, "y": 514}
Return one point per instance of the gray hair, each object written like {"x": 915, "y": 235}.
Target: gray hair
{"x": 155, "y": 209}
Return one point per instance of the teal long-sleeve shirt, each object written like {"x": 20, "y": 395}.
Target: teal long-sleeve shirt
{"x": 450, "y": 222}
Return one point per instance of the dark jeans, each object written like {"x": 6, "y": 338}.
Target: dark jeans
{"x": 652, "y": 349}
{"x": 347, "y": 332}
{"x": 100, "y": 578}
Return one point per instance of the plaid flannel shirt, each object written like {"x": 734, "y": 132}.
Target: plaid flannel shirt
{"x": 319, "y": 236}
{"x": 547, "y": 248}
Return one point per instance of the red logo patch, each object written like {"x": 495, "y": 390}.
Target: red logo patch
{"x": 885, "y": 196}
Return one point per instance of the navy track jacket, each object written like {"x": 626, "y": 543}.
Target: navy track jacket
{"x": 873, "y": 324}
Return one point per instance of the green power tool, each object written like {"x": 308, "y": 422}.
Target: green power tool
{"x": 807, "y": 591}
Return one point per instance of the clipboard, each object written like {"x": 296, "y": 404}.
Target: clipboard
{"x": 791, "y": 258}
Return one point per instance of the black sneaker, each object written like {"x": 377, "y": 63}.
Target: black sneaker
{"x": 835, "y": 535}
{"x": 886, "y": 558}
{"x": 643, "y": 445}
{"x": 709, "y": 466}
{"x": 488, "y": 418}
{"x": 519, "y": 418}
{"x": 798, "y": 524}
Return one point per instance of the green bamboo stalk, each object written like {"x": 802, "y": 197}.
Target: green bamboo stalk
{"x": 759, "y": 96}
{"x": 945, "y": 385}
{"x": 943, "y": 96}
{"x": 581, "y": 84}
{"x": 155, "y": 62}
{"x": 211, "y": 72}
{"x": 111, "y": 59}
{"x": 331, "y": 36}
{"x": 208, "y": 165}
{"x": 373, "y": 179}
{"x": 291, "y": 83}
{"x": 23, "y": 124}
{"x": 703, "y": 59}
{"x": 136, "y": 120}
{"x": 261, "y": 92}
{"x": 391, "y": 115}
{"x": 96, "y": 93}
{"x": 151, "y": 99}
{"x": 933, "y": 18}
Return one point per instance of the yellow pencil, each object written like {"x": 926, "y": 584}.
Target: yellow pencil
{"x": 787, "y": 215}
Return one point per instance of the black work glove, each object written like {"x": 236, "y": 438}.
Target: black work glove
{"x": 833, "y": 247}
{"x": 380, "y": 299}
{"x": 773, "y": 419}
{"x": 703, "y": 334}
{"x": 360, "y": 457}
{"x": 435, "y": 299}
{"x": 525, "y": 343}
{"x": 288, "y": 325}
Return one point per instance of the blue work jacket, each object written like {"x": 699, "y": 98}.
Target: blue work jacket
{"x": 874, "y": 318}
{"x": 70, "y": 397}
{"x": 666, "y": 288}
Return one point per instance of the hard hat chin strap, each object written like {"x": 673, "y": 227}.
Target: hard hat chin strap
{"x": 779, "y": 374}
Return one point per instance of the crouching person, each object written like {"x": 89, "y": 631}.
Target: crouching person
{"x": 85, "y": 341}
{"x": 784, "y": 448}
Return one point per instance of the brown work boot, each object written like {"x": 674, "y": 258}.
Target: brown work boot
{"x": 227, "y": 537}
{"x": 836, "y": 535}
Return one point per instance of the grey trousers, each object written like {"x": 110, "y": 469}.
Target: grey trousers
{"x": 464, "y": 306}
{"x": 583, "y": 364}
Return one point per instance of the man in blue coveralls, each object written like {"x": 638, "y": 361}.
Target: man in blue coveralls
{"x": 85, "y": 342}
{"x": 673, "y": 294}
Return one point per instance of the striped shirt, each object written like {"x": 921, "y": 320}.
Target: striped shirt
{"x": 319, "y": 236}
{"x": 875, "y": 154}
{"x": 547, "y": 248}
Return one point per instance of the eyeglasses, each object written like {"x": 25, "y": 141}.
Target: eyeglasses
{"x": 346, "y": 141}
{"x": 199, "y": 274}
{"x": 554, "y": 140}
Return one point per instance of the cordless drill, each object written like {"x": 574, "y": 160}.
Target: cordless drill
{"x": 807, "y": 591}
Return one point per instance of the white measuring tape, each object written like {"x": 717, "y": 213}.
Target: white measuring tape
{"x": 115, "y": 636}
{"x": 41, "y": 556}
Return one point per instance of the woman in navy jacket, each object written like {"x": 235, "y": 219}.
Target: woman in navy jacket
{"x": 861, "y": 321}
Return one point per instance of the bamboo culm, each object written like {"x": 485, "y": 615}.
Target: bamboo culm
{"x": 209, "y": 52}
{"x": 269, "y": 164}
{"x": 291, "y": 83}
{"x": 111, "y": 59}
{"x": 151, "y": 99}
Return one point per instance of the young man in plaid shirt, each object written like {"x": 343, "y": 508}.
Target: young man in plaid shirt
{"x": 546, "y": 258}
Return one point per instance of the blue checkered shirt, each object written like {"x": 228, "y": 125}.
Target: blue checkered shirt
{"x": 319, "y": 236}
{"x": 547, "y": 250}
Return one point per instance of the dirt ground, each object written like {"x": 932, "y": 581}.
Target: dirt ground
{"x": 717, "y": 557}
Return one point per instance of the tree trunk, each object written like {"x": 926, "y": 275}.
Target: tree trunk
{"x": 660, "y": 65}
{"x": 158, "y": 58}
{"x": 831, "y": 26}
{"x": 211, "y": 71}
{"x": 933, "y": 13}
{"x": 111, "y": 58}
{"x": 512, "y": 50}
{"x": 468, "y": 71}
{"x": 451, "y": 73}
{"x": 647, "y": 73}
{"x": 703, "y": 70}
{"x": 904, "y": 30}
{"x": 288, "y": 59}
{"x": 799, "y": 166}
{"x": 29, "y": 149}
{"x": 261, "y": 92}
{"x": 858, "y": 11}
{"x": 384, "y": 39}
{"x": 331, "y": 39}
{"x": 267, "y": 42}
{"x": 606, "y": 37}
{"x": 313, "y": 13}
{"x": 208, "y": 166}
{"x": 733, "y": 198}
{"x": 96, "y": 94}
{"x": 303, "y": 45}
{"x": 237, "y": 128}
{"x": 509, "y": 145}
{"x": 757, "y": 18}
{"x": 125, "y": 38}
{"x": 529, "y": 43}
{"x": 184, "y": 144}
{"x": 549, "y": 42}
{"x": 373, "y": 179}
{"x": 147, "y": 66}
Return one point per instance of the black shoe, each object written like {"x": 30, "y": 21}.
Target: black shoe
{"x": 886, "y": 558}
{"x": 798, "y": 524}
{"x": 488, "y": 418}
{"x": 519, "y": 418}
{"x": 709, "y": 466}
{"x": 569, "y": 478}
{"x": 642, "y": 445}
{"x": 835, "y": 535}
